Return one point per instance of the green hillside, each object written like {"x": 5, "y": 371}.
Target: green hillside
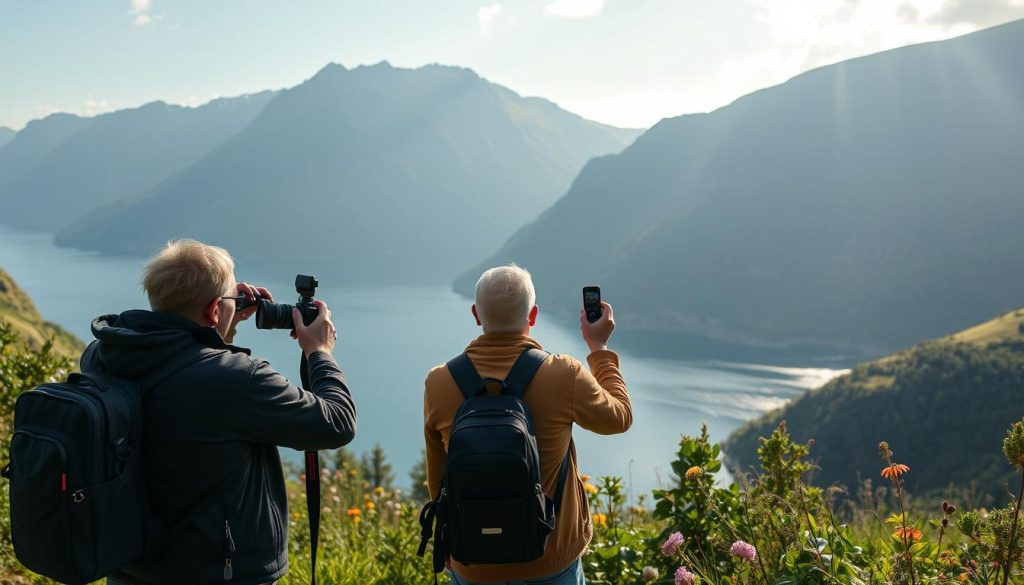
{"x": 17, "y": 309}
{"x": 946, "y": 402}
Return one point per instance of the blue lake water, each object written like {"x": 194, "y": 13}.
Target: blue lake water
{"x": 389, "y": 337}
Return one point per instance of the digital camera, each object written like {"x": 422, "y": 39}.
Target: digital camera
{"x": 271, "y": 315}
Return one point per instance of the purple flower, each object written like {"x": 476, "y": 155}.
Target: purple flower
{"x": 672, "y": 544}
{"x": 743, "y": 550}
{"x": 683, "y": 577}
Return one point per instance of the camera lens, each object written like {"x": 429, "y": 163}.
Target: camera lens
{"x": 270, "y": 315}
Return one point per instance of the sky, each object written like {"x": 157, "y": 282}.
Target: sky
{"x": 628, "y": 63}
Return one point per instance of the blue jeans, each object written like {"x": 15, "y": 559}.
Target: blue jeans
{"x": 571, "y": 575}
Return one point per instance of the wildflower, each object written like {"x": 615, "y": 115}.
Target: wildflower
{"x": 694, "y": 473}
{"x": 371, "y": 506}
{"x": 378, "y": 491}
{"x": 909, "y": 533}
{"x": 352, "y": 472}
{"x": 600, "y": 520}
{"x": 672, "y": 544}
{"x": 590, "y": 488}
{"x": 883, "y": 450}
{"x": 683, "y": 576}
{"x": 336, "y": 499}
{"x": 894, "y": 471}
{"x": 650, "y": 573}
{"x": 744, "y": 550}
{"x": 296, "y": 515}
{"x": 334, "y": 489}
{"x": 354, "y": 512}
{"x": 584, "y": 478}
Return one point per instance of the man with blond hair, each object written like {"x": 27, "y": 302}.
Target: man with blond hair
{"x": 213, "y": 417}
{"x": 561, "y": 393}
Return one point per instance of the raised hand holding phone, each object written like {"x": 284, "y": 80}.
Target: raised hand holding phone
{"x": 597, "y": 320}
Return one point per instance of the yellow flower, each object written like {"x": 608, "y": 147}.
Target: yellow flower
{"x": 357, "y": 520}
{"x": 378, "y": 490}
{"x": 694, "y": 473}
{"x": 296, "y": 515}
{"x": 371, "y": 506}
{"x": 590, "y": 488}
{"x": 352, "y": 472}
{"x": 600, "y": 520}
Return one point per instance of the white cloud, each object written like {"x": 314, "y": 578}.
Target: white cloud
{"x": 574, "y": 9}
{"x": 486, "y": 15}
{"x": 140, "y": 9}
{"x": 806, "y": 35}
{"x": 92, "y": 107}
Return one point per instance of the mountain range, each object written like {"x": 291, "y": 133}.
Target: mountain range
{"x": 853, "y": 210}
{"x": 6, "y": 135}
{"x": 368, "y": 175}
{"x": 64, "y": 166}
{"x": 955, "y": 396}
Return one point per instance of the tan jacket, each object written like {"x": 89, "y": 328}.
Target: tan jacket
{"x": 563, "y": 392}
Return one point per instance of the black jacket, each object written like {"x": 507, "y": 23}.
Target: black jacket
{"x": 213, "y": 426}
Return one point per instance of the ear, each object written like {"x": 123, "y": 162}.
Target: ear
{"x": 475, "y": 316}
{"x": 211, "y": 313}
{"x": 533, "y": 315}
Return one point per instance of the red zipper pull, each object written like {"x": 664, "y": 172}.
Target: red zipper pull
{"x": 63, "y": 482}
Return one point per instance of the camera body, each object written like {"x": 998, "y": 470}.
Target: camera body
{"x": 271, "y": 315}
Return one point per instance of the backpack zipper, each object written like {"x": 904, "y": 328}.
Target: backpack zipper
{"x": 229, "y": 549}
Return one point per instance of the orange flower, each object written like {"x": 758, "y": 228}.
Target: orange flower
{"x": 895, "y": 470}
{"x": 371, "y": 506}
{"x": 584, "y": 478}
{"x": 694, "y": 472}
{"x": 909, "y": 533}
{"x": 600, "y": 520}
{"x": 590, "y": 488}
{"x": 354, "y": 512}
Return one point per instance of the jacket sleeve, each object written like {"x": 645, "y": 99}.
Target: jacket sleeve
{"x": 277, "y": 412}
{"x": 600, "y": 401}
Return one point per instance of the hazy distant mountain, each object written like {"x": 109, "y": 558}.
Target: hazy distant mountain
{"x": 31, "y": 146}
{"x": 119, "y": 155}
{"x": 6, "y": 135}
{"x": 375, "y": 174}
{"x": 865, "y": 205}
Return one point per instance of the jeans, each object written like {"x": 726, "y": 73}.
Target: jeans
{"x": 571, "y": 575}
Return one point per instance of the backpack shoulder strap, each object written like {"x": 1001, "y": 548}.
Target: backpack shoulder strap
{"x": 465, "y": 375}
{"x": 523, "y": 370}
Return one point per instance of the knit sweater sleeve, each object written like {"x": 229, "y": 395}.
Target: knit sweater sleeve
{"x": 600, "y": 399}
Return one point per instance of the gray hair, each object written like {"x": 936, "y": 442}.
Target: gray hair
{"x": 186, "y": 275}
{"x": 504, "y": 298}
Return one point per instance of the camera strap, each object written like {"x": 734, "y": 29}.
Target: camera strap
{"x": 312, "y": 487}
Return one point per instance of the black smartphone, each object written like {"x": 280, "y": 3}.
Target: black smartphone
{"x": 592, "y": 302}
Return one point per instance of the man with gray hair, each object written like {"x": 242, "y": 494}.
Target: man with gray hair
{"x": 561, "y": 393}
{"x": 213, "y": 417}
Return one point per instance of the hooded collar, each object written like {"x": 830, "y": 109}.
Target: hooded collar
{"x": 137, "y": 341}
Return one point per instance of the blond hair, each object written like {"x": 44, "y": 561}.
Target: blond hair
{"x": 504, "y": 298}
{"x": 186, "y": 275}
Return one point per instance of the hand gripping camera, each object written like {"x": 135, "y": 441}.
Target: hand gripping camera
{"x": 271, "y": 315}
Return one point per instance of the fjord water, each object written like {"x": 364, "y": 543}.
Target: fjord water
{"x": 389, "y": 337}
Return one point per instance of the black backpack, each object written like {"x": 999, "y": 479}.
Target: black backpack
{"x": 79, "y": 507}
{"x": 491, "y": 508}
